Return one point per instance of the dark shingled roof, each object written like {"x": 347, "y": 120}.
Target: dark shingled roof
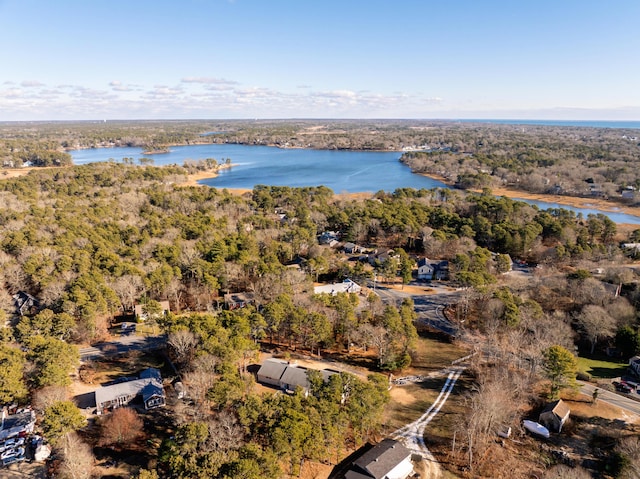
{"x": 378, "y": 461}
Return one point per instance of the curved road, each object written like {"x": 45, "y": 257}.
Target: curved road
{"x": 619, "y": 400}
{"x": 429, "y": 307}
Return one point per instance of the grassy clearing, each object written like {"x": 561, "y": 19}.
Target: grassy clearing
{"x": 602, "y": 368}
{"x": 409, "y": 402}
{"x": 433, "y": 353}
{"x": 441, "y": 429}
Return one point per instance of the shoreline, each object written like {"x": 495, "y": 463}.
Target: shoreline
{"x": 573, "y": 201}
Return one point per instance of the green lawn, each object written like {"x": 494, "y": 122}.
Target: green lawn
{"x": 602, "y": 368}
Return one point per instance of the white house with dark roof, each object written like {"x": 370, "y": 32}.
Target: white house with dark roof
{"x": 425, "y": 269}
{"x": 387, "y": 460}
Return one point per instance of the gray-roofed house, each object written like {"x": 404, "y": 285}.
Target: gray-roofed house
{"x": 238, "y": 300}
{"x": 350, "y": 248}
{"x": 555, "y": 415}
{"x": 288, "y": 377}
{"x": 14, "y": 424}
{"x": 425, "y": 269}
{"x": 271, "y": 371}
{"x": 387, "y": 460}
{"x": 149, "y": 387}
{"x": 293, "y": 377}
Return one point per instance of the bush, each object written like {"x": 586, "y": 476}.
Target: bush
{"x": 583, "y": 376}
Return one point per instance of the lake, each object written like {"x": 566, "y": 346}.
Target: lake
{"x": 340, "y": 170}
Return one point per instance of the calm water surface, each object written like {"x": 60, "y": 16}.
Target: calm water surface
{"x": 342, "y": 171}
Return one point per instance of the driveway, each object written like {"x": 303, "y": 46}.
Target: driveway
{"x": 122, "y": 345}
{"x": 429, "y": 305}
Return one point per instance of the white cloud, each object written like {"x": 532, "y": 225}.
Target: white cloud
{"x": 209, "y": 81}
{"x": 31, "y": 84}
{"x": 204, "y": 97}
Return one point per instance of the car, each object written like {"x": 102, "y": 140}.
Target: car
{"x": 13, "y": 442}
{"x": 11, "y": 460}
{"x": 14, "y": 452}
{"x": 623, "y": 388}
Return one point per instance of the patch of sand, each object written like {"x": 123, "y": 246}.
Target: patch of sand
{"x": 576, "y": 202}
{"x": 402, "y": 396}
{"x": 6, "y": 173}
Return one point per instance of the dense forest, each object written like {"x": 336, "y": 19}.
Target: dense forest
{"x": 87, "y": 243}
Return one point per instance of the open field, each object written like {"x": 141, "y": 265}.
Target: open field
{"x": 601, "y": 368}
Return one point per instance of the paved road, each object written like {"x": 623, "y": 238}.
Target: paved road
{"x": 122, "y": 345}
{"x": 618, "y": 400}
{"x": 429, "y": 307}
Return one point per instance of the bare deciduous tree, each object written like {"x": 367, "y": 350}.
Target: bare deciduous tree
{"x": 121, "y": 427}
{"x": 182, "y": 343}
{"x": 128, "y": 288}
{"x": 491, "y": 406}
{"x": 49, "y": 395}
{"x": 596, "y": 323}
{"x": 629, "y": 449}
{"x": 224, "y": 432}
{"x": 77, "y": 458}
{"x": 198, "y": 382}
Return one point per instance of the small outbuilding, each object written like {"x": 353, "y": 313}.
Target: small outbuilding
{"x": 555, "y": 415}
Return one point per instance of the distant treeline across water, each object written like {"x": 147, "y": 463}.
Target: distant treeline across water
{"x": 340, "y": 170}
{"x": 578, "y": 123}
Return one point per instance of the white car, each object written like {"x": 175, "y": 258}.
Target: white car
{"x": 14, "y": 452}
{"x": 13, "y": 442}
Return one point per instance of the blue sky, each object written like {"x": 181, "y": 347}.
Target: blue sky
{"x": 161, "y": 59}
